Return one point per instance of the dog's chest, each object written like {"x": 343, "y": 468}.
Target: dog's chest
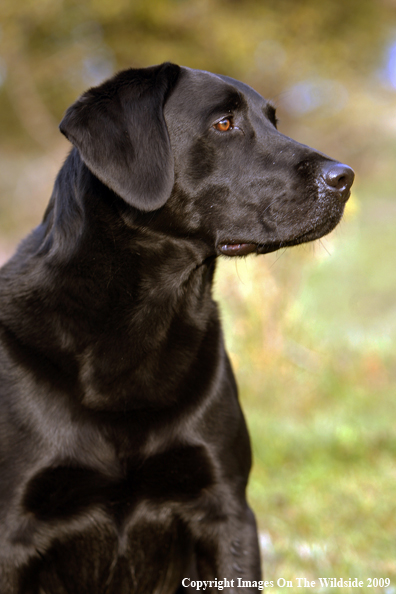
{"x": 108, "y": 529}
{"x": 151, "y": 557}
{"x": 63, "y": 492}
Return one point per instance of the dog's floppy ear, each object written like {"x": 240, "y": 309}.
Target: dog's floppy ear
{"x": 120, "y": 132}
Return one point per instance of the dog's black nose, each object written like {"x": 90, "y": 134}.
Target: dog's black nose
{"x": 339, "y": 177}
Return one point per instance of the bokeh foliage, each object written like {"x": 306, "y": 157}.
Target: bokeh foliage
{"x": 51, "y": 49}
{"x": 311, "y": 331}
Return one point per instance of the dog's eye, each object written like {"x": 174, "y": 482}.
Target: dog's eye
{"x": 224, "y": 125}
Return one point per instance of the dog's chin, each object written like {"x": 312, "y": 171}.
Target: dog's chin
{"x": 244, "y": 248}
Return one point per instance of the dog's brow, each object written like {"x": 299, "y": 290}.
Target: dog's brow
{"x": 230, "y": 102}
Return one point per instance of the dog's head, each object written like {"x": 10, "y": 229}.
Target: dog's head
{"x": 201, "y": 153}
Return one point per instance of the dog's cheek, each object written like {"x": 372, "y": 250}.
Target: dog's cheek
{"x": 201, "y": 160}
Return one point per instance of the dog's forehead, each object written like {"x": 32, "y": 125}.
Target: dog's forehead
{"x": 200, "y": 87}
{"x": 249, "y": 92}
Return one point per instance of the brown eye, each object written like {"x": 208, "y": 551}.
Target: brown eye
{"x": 223, "y": 125}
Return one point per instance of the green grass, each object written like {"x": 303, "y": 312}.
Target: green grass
{"x": 311, "y": 333}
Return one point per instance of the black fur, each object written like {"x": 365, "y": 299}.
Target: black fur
{"x": 124, "y": 455}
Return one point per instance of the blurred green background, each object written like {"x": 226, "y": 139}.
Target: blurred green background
{"x": 310, "y": 330}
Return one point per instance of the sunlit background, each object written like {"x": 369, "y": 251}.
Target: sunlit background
{"x": 311, "y": 331}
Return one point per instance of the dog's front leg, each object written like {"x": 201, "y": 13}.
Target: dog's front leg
{"x": 228, "y": 556}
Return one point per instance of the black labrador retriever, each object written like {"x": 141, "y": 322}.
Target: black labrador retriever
{"x": 124, "y": 454}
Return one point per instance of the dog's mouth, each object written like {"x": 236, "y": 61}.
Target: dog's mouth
{"x": 244, "y": 248}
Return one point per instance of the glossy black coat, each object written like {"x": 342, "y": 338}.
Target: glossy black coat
{"x": 124, "y": 455}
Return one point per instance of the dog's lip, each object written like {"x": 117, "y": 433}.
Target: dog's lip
{"x": 245, "y": 248}
{"x": 237, "y": 249}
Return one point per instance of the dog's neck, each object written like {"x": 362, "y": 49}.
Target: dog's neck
{"x": 124, "y": 301}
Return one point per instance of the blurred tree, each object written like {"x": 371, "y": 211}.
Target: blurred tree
{"x": 52, "y": 49}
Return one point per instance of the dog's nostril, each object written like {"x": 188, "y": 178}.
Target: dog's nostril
{"x": 340, "y": 177}
{"x": 341, "y": 182}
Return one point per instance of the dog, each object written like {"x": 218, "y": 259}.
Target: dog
{"x": 124, "y": 452}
